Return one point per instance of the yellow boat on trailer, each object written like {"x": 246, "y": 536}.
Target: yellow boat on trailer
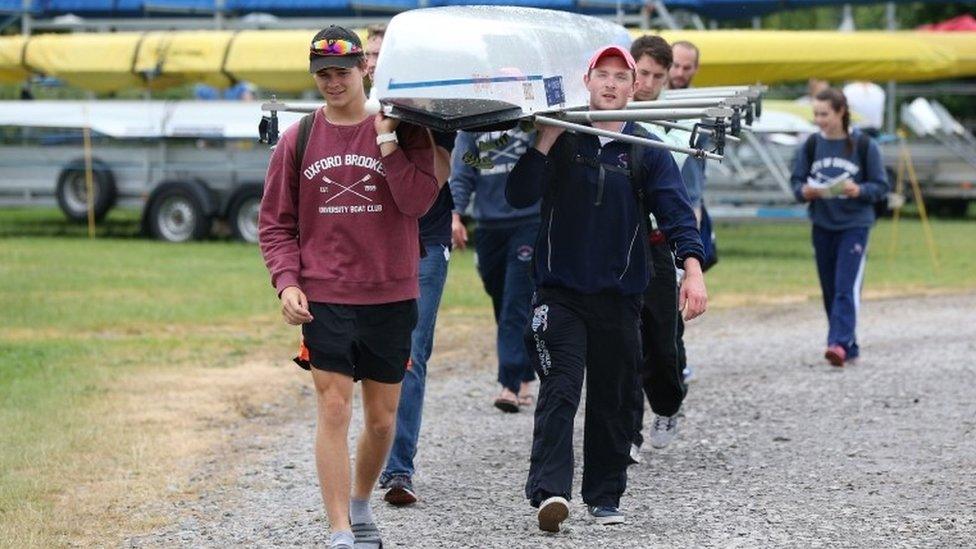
{"x": 273, "y": 59}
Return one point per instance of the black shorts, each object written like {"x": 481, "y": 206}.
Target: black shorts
{"x": 360, "y": 341}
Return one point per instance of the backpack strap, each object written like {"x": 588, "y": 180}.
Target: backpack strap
{"x": 863, "y": 142}
{"x": 810, "y": 148}
{"x": 301, "y": 143}
{"x": 637, "y": 171}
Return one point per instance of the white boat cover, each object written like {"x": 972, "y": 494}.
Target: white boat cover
{"x": 477, "y": 66}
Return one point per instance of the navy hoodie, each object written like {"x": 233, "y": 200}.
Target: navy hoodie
{"x": 591, "y": 239}
{"x": 480, "y": 165}
{"x": 835, "y": 158}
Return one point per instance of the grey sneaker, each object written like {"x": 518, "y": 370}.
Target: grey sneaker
{"x": 552, "y": 512}
{"x": 663, "y": 430}
{"x": 400, "y": 491}
{"x": 606, "y": 515}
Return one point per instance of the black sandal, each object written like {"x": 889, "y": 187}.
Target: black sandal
{"x": 367, "y": 536}
{"x": 507, "y": 405}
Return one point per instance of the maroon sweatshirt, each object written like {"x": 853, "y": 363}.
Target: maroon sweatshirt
{"x": 343, "y": 227}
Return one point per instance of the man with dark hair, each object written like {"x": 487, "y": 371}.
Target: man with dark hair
{"x": 659, "y": 377}
{"x": 653, "y": 57}
{"x": 685, "y": 64}
{"x": 587, "y": 304}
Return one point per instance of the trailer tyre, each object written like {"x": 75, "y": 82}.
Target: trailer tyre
{"x": 242, "y": 216}
{"x": 72, "y": 191}
{"x": 948, "y": 207}
{"x": 178, "y": 212}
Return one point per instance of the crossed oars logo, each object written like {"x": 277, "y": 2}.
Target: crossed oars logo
{"x": 347, "y": 189}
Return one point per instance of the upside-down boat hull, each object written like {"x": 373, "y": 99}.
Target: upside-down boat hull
{"x": 482, "y": 66}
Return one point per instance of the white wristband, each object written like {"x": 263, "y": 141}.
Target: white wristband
{"x": 386, "y": 138}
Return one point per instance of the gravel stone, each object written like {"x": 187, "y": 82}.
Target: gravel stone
{"x": 776, "y": 449}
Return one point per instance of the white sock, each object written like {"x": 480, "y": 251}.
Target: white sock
{"x": 360, "y": 512}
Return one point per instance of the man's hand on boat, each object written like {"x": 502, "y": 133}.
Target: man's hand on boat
{"x": 385, "y": 124}
{"x": 546, "y": 137}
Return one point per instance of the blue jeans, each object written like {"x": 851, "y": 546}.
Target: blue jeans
{"x": 433, "y": 273}
{"x": 505, "y": 266}
{"x": 841, "y": 256}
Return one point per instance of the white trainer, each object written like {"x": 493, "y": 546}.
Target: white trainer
{"x": 663, "y": 430}
{"x": 635, "y": 455}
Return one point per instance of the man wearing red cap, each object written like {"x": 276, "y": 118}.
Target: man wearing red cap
{"x": 338, "y": 231}
{"x": 590, "y": 271}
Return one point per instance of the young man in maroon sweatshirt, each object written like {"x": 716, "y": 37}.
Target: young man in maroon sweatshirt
{"x": 338, "y": 232}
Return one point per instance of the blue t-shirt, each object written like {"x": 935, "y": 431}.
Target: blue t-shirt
{"x": 435, "y": 225}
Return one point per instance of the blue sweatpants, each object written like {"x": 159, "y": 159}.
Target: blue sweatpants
{"x": 841, "y": 256}
{"x": 504, "y": 263}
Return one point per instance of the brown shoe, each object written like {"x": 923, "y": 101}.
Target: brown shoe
{"x": 400, "y": 491}
{"x": 836, "y": 355}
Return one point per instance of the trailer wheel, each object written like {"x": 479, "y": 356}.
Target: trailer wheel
{"x": 243, "y": 213}
{"x": 178, "y": 212}
{"x": 72, "y": 191}
{"x": 948, "y": 207}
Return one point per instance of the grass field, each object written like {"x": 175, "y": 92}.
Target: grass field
{"x": 84, "y": 321}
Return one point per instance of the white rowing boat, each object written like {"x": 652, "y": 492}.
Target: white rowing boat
{"x": 461, "y": 67}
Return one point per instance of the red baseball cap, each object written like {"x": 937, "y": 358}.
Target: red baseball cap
{"x": 613, "y": 51}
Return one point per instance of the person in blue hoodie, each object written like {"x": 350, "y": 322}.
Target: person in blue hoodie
{"x": 841, "y": 174}
{"x": 591, "y": 270}
{"x": 505, "y": 243}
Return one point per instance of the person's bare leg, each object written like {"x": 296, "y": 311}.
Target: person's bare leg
{"x": 334, "y": 399}
{"x": 380, "y": 402}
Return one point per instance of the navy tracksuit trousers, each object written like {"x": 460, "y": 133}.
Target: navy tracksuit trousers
{"x": 504, "y": 263}
{"x": 841, "y": 256}
{"x": 573, "y": 334}
{"x": 659, "y": 376}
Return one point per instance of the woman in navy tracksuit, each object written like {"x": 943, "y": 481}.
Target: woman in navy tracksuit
{"x": 842, "y": 176}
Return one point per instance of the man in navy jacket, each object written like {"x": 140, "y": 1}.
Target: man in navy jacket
{"x": 590, "y": 269}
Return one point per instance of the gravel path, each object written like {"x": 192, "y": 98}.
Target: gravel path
{"x": 775, "y": 449}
